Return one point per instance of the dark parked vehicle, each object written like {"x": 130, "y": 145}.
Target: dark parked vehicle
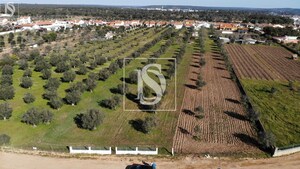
{"x": 139, "y": 166}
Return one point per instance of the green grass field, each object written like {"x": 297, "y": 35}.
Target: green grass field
{"x": 115, "y": 130}
{"x": 279, "y": 112}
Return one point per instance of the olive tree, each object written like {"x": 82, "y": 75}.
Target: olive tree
{"x": 23, "y": 64}
{"x": 148, "y": 124}
{"x": 46, "y": 73}
{"x": 52, "y": 83}
{"x": 5, "y": 111}
{"x": 133, "y": 77}
{"x": 111, "y": 103}
{"x": 104, "y": 74}
{"x": 56, "y": 102}
{"x": 27, "y": 73}
{"x": 69, "y": 76}
{"x": 7, "y": 70}
{"x": 26, "y": 82}
{"x": 73, "y": 97}
{"x": 6, "y": 80}
{"x": 90, "y": 84}
{"x": 89, "y": 120}
{"x": 7, "y": 92}
{"x": 29, "y": 98}
{"x": 34, "y": 116}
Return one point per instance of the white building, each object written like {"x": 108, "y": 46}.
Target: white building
{"x": 224, "y": 40}
{"x": 178, "y": 25}
{"x": 119, "y": 24}
{"x": 109, "y": 35}
{"x": 24, "y": 20}
{"x": 199, "y": 25}
{"x": 227, "y": 32}
{"x": 278, "y": 26}
{"x": 3, "y": 21}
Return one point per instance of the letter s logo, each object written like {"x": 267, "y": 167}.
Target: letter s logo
{"x": 159, "y": 89}
{"x": 10, "y": 7}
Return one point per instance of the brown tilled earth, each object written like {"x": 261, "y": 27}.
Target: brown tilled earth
{"x": 224, "y": 128}
{"x": 263, "y": 62}
{"x": 23, "y": 161}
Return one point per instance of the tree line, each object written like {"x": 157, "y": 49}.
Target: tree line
{"x": 111, "y": 13}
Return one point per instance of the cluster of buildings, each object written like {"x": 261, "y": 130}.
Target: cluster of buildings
{"x": 26, "y": 23}
{"x": 228, "y": 29}
{"x": 170, "y": 9}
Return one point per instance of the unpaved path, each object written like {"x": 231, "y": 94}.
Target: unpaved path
{"x": 24, "y": 161}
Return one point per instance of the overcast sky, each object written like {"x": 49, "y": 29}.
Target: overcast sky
{"x": 217, "y": 3}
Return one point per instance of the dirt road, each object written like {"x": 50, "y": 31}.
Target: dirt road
{"x": 23, "y": 161}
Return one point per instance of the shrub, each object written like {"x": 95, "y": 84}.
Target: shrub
{"x": 200, "y": 82}
{"x": 202, "y": 62}
{"x": 292, "y": 86}
{"x": 273, "y": 90}
{"x": 4, "y": 139}
{"x": 197, "y": 131}
{"x": 266, "y": 139}
{"x": 198, "y": 112}
{"x": 29, "y": 98}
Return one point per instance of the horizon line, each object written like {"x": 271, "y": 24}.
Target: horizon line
{"x": 232, "y": 7}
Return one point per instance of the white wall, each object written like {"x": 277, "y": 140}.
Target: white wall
{"x": 137, "y": 151}
{"x": 88, "y": 151}
{"x": 278, "y": 152}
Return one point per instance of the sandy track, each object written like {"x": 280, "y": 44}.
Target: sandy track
{"x": 23, "y": 161}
